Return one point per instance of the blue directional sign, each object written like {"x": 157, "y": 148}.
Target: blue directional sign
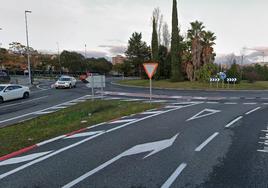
{"x": 222, "y": 75}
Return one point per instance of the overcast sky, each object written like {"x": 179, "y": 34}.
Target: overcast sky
{"x": 106, "y": 25}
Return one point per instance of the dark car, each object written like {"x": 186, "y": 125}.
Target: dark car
{"x": 4, "y": 77}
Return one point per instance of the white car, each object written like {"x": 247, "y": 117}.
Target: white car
{"x": 12, "y": 91}
{"x": 65, "y": 82}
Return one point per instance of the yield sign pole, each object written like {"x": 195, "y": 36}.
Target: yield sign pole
{"x": 150, "y": 69}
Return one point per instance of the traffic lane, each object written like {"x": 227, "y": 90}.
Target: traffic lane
{"x": 155, "y": 171}
{"x": 54, "y": 97}
{"x": 245, "y": 165}
{"x": 243, "y": 94}
{"x": 80, "y": 159}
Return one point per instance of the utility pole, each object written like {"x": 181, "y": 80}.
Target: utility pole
{"x": 28, "y": 53}
{"x": 0, "y": 42}
{"x": 85, "y": 51}
{"x": 59, "y": 57}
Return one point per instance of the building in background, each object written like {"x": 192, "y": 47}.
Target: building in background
{"x": 118, "y": 59}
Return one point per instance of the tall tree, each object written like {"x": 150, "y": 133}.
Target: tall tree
{"x": 176, "y": 74}
{"x": 154, "y": 43}
{"x": 155, "y": 49}
{"x": 166, "y": 35}
{"x": 208, "y": 42}
{"x": 195, "y": 35}
{"x": 158, "y": 17}
{"x": 137, "y": 53}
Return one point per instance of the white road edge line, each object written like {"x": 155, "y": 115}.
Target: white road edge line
{"x": 254, "y": 110}
{"x": 83, "y": 141}
{"x": 234, "y": 121}
{"x": 199, "y": 148}
{"x": 174, "y": 176}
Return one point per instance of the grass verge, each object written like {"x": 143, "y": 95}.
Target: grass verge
{"x": 244, "y": 85}
{"x": 62, "y": 122}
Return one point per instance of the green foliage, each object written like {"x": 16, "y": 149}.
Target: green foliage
{"x": 73, "y": 61}
{"x": 255, "y": 73}
{"x": 155, "y": 49}
{"x": 124, "y": 68}
{"x": 137, "y": 53}
{"x": 175, "y": 46}
{"x": 164, "y": 63}
{"x": 100, "y": 65}
{"x": 206, "y": 72}
{"x": 234, "y": 72}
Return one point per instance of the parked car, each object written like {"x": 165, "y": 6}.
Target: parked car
{"x": 12, "y": 91}
{"x": 4, "y": 77}
{"x": 65, "y": 82}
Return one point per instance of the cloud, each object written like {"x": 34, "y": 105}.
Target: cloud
{"x": 114, "y": 49}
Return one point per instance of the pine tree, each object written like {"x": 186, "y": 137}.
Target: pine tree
{"x": 176, "y": 74}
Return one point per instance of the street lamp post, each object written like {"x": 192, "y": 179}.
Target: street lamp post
{"x": 0, "y": 42}
{"x": 59, "y": 57}
{"x": 28, "y": 53}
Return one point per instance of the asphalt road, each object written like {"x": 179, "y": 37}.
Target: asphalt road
{"x": 41, "y": 100}
{"x": 195, "y": 143}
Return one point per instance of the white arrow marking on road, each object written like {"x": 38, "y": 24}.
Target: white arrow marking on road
{"x": 204, "y": 113}
{"x": 153, "y": 147}
{"x": 23, "y": 159}
{"x": 84, "y": 134}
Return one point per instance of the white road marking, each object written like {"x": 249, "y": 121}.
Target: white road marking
{"x": 34, "y": 113}
{"x": 23, "y": 102}
{"x": 132, "y": 100}
{"x": 250, "y": 103}
{"x": 200, "y": 98}
{"x": 173, "y": 106}
{"x": 84, "y": 134}
{"x": 174, "y": 176}
{"x": 58, "y": 107}
{"x": 50, "y": 140}
{"x": 153, "y": 148}
{"x": 23, "y": 158}
{"x": 230, "y": 103}
{"x": 43, "y": 113}
{"x": 254, "y": 110}
{"x": 69, "y": 104}
{"x": 122, "y": 121}
{"x": 265, "y": 131}
{"x": 152, "y": 112}
{"x": 156, "y": 101}
{"x": 199, "y": 148}
{"x": 198, "y": 115}
{"x": 265, "y": 150}
{"x": 211, "y": 102}
{"x": 83, "y": 141}
{"x": 234, "y": 121}
{"x": 265, "y": 103}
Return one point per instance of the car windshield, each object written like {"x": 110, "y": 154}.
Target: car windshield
{"x": 2, "y": 88}
{"x": 65, "y": 79}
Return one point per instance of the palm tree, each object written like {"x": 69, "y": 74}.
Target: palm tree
{"x": 195, "y": 35}
{"x": 208, "y": 42}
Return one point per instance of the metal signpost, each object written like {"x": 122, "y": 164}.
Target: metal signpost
{"x": 96, "y": 82}
{"x": 150, "y": 69}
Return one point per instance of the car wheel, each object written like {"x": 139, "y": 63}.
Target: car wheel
{"x": 26, "y": 95}
{"x": 70, "y": 86}
{"x": 74, "y": 86}
{"x": 1, "y": 100}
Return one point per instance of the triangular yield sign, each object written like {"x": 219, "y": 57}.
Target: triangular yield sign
{"x": 150, "y": 69}
{"x": 204, "y": 113}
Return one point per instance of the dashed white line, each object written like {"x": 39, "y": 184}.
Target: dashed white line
{"x": 231, "y": 103}
{"x": 152, "y": 112}
{"x": 211, "y": 102}
{"x": 254, "y": 110}
{"x": 174, "y": 176}
{"x": 122, "y": 121}
{"x": 199, "y": 148}
{"x": 250, "y": 103}
{"x": 234, "y": 121}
